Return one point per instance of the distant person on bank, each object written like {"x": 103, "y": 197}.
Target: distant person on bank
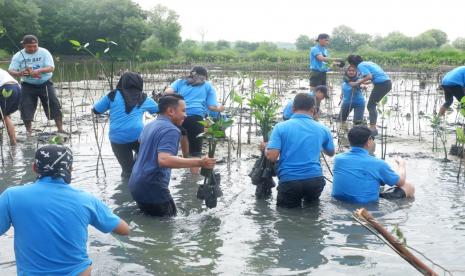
{"x": 159, "y": 143}
{"x": 10, "y": 95}
{"x": 453, "y": 84}
{"x": 371, "y": 71}
{"x": 358, "y": 175}
{"x": 35, "y": 65}
{"x": 127, "y": 105}
{"x": 200, "y": 97}
{"x": 352, "y": 98}
{"x": 50, "y": 218}
{"x": 296, "y": 145}
{"x": 319, "y": 58}
{"x": 321, "y": 93}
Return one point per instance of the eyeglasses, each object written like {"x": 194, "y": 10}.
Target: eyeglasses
{"x": 371, "y": 137}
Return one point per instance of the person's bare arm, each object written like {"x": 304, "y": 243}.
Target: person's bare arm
{"x": 15, "y": 73}
{"x": 218, "y": 108}
{"x": 325, "y": 59}
{"x": 184, "y": 146}
{"x": 166, "y": 160}
{"x": 122, "y": 228}
{"x": 272, "y": 154}
{"x": 169, "y": 90}
{"x": 365, "y": 79}
{"x": 401, "y": 171}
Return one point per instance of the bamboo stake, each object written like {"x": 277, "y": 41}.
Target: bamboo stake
{"x": 363, "y": 215}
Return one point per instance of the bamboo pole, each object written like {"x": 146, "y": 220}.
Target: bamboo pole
{"x": 400, "y": 249}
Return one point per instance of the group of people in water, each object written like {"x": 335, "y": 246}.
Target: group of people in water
{"x": 59, "y": 214}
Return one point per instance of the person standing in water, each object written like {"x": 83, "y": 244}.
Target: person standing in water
{"x": 10, "y": 95}
{"x": 382, "y": 84}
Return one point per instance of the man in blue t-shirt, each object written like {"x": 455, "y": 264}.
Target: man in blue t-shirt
{"x": 35, "y": 65}
{"x": 296, "y": 145}
{"x": 453, "y": 84}
{"x": 159, "y": 143}
{"x": 321, "y": 93}
{"x": 358, "y": 175}
{"x": 50, "y": 218}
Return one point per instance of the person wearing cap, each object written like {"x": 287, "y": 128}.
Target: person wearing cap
{"x": 296, "y": 145}
{"x": 453, "y": 84}
{"x": 127, "y": 105}
{"x": 382, "y": 84}
{"x": 35, "y": 66}
{"x": 50, "y": 218}
{"x": 159, "y": 144}
{"x": 352, "y": 97}
{"x": 200, "y": 97}
{"x": 10, "y": 95}
{"x": 321, "y": 93}
{"x": 358, "y": 175}
{"x": 319, "y": 57}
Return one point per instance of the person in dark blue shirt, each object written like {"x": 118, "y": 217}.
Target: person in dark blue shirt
{"x": 453, "y": 84}
{"x": 371, "y": 71}
{"x": 50, "y": 218}
{"x": 159, "y": 143}
{"x": 352, "y": 98}
{"x": 358, "y": 175}
{"x": 200, "y": 97}
{"x": 127, "y": 104}
{"x": 296, "y": 145}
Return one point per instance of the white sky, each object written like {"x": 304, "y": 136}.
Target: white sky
{"x": 261, "y": 20}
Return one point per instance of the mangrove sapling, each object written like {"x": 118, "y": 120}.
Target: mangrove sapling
{"x": 460, "y": 145}
{"x": 265, "y": 106}
{"x": 210, "y": 189}
{"x": 384, "y": 113}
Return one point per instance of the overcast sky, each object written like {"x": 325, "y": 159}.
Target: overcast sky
{"x": 261, "y": 20}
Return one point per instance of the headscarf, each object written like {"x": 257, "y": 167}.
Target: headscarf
{"x": 54, "y": 161}
{"x": 130, "y": 86}
{"x": 197, "y": 76}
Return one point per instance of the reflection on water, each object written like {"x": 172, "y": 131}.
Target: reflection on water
{"x": 245, "y": 236}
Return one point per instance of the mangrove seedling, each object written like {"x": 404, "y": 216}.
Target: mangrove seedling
{"x": 460, "y": 145}
{"x": 385, "y": 113}
{"x": 438, "y": 131}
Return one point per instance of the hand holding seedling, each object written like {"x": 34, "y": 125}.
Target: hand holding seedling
{"x": 207, "y": 162}
{"x": 36, "y": 74}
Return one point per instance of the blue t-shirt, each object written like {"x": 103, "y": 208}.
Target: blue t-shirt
{"x": 377, "y": 74}
{"x": 125, "y": 128}
{"x": 40, "y": 59}
{"x": 455, "y": 77}
{"x": 287, "y": 111}
{"x": 315, "y": 64}
{"x": 50, "y": 220}
{"x": 300, "y": 141}
{"x": 197, "y": 98}
{"x": 149, "y": 182}
{"x": 352, "y": 95}
{"x": 358, "y": 175}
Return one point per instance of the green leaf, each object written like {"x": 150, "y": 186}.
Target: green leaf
{"x": 384, "y": 100}
{"x": 2, "y": 31}
{"x": 102, "y": 40}
{"x": 219, "y": 134}
{"x": 204, "y": 123}
{"x": 6, "y": 93}
{"x": 97, "y": 55}
{"x": 462, "y": 106}
{"x": 258, "y": 83}
{"x": 460, "y": 135}
{"x": 75, "y": 43}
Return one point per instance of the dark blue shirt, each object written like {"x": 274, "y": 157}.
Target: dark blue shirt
{"x": 149, "y": 182}
{"x": 300, "y": 141}
{"x": 358, "y": 175}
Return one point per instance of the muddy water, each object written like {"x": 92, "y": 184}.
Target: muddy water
{"x": 245, "y": 236}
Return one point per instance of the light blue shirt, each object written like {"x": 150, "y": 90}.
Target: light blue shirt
{"x": 455, "y": 77}
{"x": 50, "y": 220}
{"x": 287, "y": 111}
{"x": 358, "y": 175}
{"x": 299, "y": 142}
{"x": 377, "y": 74}
{"x": 125, "y": 128}
{"x": 315, "y": 64}
{"x": 352, "y": 95}
{"x": 40, "y": 59}
{"x": 197, "y": 98}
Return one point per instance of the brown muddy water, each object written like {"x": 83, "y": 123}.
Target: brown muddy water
{"x": 247, "y": 236}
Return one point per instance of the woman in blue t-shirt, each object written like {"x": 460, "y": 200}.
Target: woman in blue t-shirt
{"x": 127, "y": 104}
{"x": 371, "y": 71}
{"x": 200, "y": 97}
{"x": 352, "y": 97}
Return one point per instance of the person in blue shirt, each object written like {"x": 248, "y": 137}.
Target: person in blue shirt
{"x": 358, "y": 175}
{"x": 296, "y": 145}
{"x": 35, "y": 65}
{"x": 50, "y": 218}
{"x": 127, "y": 104}
{"x": 453, "y": 84}
{"x": 319, "y": 57}
{"x": 159, "y": 143}
{"x": 371, "y": 71}
{"x": 352, "y": 97}
{"x": 200, "y": 97}
{"x": 10, "y": 95}
{"x": 321, "y": 93}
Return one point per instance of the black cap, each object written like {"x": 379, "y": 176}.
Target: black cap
{"x": 323, "y": 89}
{"x": 29, "y": 39}
{"x": 322, "y": 36}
